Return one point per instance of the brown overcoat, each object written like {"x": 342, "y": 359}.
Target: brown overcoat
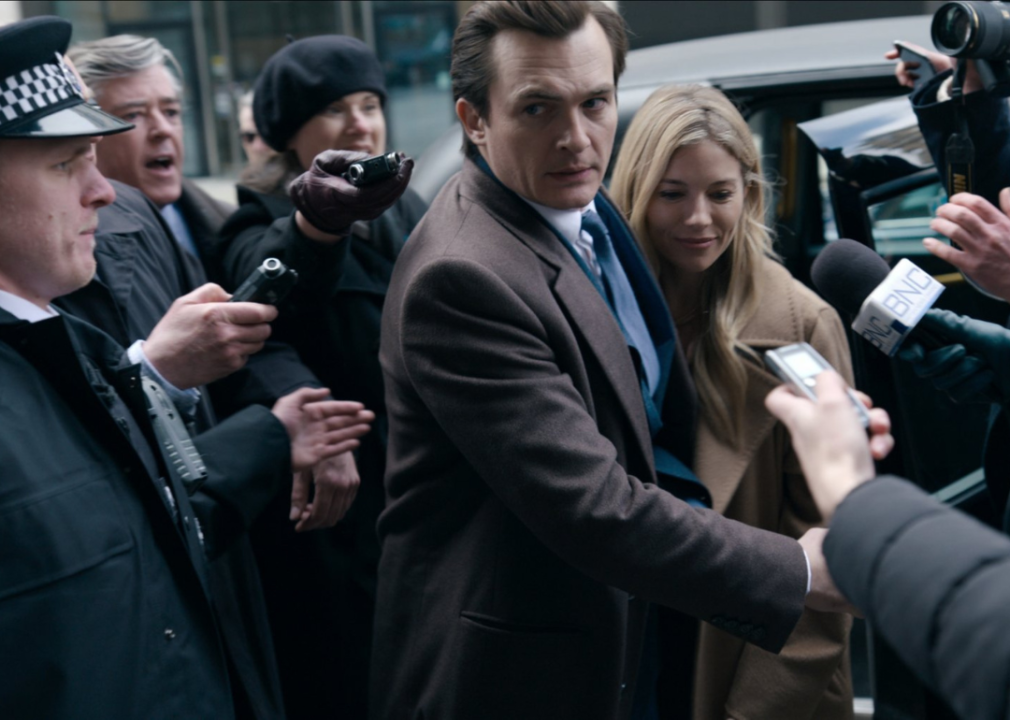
{"x": 524, "y": 534}
{"x": 759, "y": 482}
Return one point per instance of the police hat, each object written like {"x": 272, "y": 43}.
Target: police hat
{"x": 39, "y": 95}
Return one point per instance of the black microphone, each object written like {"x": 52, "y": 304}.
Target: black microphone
{"x": 846, "y": 273}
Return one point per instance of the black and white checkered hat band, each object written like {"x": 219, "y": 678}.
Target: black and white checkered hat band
{"x": 36, "y": 89}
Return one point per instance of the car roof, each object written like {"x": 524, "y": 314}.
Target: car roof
{"x": 819, "y": 48}
{"x": 776, "y": 58}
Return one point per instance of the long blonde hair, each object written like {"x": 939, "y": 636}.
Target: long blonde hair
{"x": 673, "y": 117}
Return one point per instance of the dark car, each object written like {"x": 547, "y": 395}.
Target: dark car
{"x": 818, "y": 99}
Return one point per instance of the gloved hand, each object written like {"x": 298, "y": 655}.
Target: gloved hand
{"x": 331, "y": 204}
{"x": 975, "y": 367}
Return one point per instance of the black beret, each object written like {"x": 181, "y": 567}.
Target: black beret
{"x": 39, "y": 95}
{"x": 302, "y": 78}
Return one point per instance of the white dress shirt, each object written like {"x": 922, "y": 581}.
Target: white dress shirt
{"x": 24, "y": 310}
{"x": 569, "y": 224}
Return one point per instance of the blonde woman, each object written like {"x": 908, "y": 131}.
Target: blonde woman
{"x": 688, "y": 178}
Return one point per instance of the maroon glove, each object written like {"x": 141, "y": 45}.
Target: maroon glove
{"x": 331, "y": 203}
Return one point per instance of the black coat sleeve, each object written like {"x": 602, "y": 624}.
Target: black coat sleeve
{"x": 263, "y": 227}
{"x": 248, "y": 460}
{"x": 988, "y": 119}
{"x": 935, "y": 584}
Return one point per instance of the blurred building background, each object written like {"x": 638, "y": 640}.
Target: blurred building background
{"x": 222, "y": 44}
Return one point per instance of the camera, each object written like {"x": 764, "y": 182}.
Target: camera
{"x": 980, "y": 31}
{"x": 374, "y": 169}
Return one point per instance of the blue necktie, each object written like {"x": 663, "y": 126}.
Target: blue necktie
{"x": 622, "y": 298}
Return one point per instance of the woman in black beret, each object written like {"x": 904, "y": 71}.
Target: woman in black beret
{"x": 315, "y": 96}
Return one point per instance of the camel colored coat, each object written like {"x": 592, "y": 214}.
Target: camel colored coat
{"x": 761, "y": 484}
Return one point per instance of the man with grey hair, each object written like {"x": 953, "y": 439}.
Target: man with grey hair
{"x": 137, "y": 80}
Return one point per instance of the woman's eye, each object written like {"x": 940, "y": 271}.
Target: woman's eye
{"x": 671, "y": 195}
{"x": 722, "y": 196}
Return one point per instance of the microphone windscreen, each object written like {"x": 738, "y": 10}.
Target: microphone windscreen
{"x": 846, "y": 272}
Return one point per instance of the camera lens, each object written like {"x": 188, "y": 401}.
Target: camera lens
{"x": 952, "y": 28}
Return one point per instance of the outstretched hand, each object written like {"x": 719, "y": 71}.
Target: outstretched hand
{"x": 983, "y": 233}
{"x": 336, "y": 482}
{"x": 906, "y": 71}
{"x": 320, "y": 428}
{"x": 829, "y": 439}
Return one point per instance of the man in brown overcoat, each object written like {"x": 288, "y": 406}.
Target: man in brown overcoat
{"x": 534, "y": 386}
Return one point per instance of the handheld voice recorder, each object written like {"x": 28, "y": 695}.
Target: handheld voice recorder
{"x": 799, "y": 365}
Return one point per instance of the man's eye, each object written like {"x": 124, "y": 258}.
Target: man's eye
{"x": 534, "y": 109}
{"x": 130, "y": 116}
{"x": 594, "y": 103}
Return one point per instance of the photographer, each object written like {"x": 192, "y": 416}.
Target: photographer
{"x": 933, "y": 582}
{"x": 976, "y": 221}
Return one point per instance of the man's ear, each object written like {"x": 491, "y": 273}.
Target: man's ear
{"x": 473, "y": 124}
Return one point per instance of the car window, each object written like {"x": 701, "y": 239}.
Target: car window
{"x": 899, "y": 224}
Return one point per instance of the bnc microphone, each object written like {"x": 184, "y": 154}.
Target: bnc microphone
{"x": 887, "y": 304}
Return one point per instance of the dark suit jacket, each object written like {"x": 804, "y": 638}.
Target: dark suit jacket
{"x": 935, "y": 584}
{"x": 105, "y": 611}
{"x": 524, "y": 535}
{"x": 204, "y": 217}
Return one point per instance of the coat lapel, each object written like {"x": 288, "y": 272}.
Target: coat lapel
{"x": 720, "y": 464}
{"x": 590, "y": 316}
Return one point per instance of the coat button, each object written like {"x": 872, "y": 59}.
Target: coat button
{"x": 169, "y": 634}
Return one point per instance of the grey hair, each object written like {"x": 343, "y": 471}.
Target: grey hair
{"x": 119, "y": 56}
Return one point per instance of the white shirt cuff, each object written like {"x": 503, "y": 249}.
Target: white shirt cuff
{"x": 185, "y": 401}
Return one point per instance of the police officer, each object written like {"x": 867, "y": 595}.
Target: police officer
{"x": 105, "y": 607}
